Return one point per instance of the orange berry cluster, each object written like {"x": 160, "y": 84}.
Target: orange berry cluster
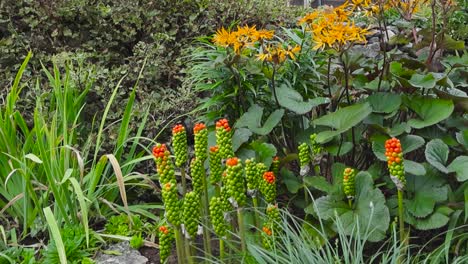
{"x": 267, "y": 231}
{"x": 224, "y": 139}
{"x": 269, "y": 177}
{"x": 394, "y": 154}
{"x": 268, "y": 186}
{"x": 223, "y": 123}
{"x": 198, "y": 127}
{"x": 178, "y": 128}
{"x": 164, "y": 165}
{"x": 201, "y": 141}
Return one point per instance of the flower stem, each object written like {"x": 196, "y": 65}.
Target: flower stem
{"x": 183, "y": 180}
{"x": 188, "y": 251}
{"x": 179, "y": 246}
{"x": 221, "y": 249}
{"x": 206, "y": 213}
{"x": 400, "y": 212}
{"x": 240, "y": 220}
{"x": 255, "y": 209}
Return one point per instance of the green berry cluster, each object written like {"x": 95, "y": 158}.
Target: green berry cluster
{"x": 216, "y": 169}
{"x": 269, "y": 186}
{"x": 201, "y": 141}
{"x": 349, "y": 176}
{"x": 217, "y": 216}
{"x": 166, "y": 238}
{"x": 304, "y": 155}
{"x": 179, "y": 143}
{"x": 227, "y": 207}
{"x": 267, "y": 236}
{"x": 171, "y": 203}
{"x": 191, "y": 213}
{"x": 235, "y": 181}
{"x": 394, "y": 154}
{"x": 224, "y": 139}
{"x": 273, "y": 217}
{"x": 275, "y": 165}
{"x": 197, "y": 172}
{"x": 164, "y": 164}
{"x": 316, "y": 148}
{"x": 261, "y": 169}
{"x": 251, "y": 175}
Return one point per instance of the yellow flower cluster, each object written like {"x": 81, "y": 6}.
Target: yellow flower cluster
{"x": 241, "y": 38}
{"x": 332, "y": 27}
{"x": 406, "y": 8}
{"x": 278, "y": 54}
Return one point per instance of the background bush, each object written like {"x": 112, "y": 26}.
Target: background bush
{"x": 110, "y": 39}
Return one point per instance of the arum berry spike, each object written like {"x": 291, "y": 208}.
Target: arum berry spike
{"x": 179, "y": 143}
{"x": 166, "y": 238}
{"x": 269, "y": 186}
{"x": 201, "y": 141}
{"x": 304, "y": 158}
{"x": 216, "y": 169}
{"x": 235, "y": 182}
{"x": 394, "y": 154}
{"x": 171, "y": 203}
{"x": 197, "y": 173}
{"x": 251, "y": 176}
{"x": 349, "y": 188}
{"x": 217, "y": 216}
{"x": 224, "y": 139}
{"x": 164, "y": 164}
{"x": 191, "y": 214}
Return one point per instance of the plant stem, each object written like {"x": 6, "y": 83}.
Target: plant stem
{"x": 240, "y": 220}
{"x": 221, "y": 249}
{"x": 400, "y": 217}
{"x": 255, "y": 208}
{"x": 179, "y": 245}
{"x": 183, "y": 180}
{"x": 206, "y": 213}
{"x": 188, "y": 251}
{"x": 350, "y": 203}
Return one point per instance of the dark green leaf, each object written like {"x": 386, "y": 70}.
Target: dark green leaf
{"x": 460, "y": 166}
{"x": 384, "y": 102}
{"x": 437, "y": 154}
{"x": 292, "y": 100}
{"x": 430, "y": 110}
{"x": 423, "y": 81}
{"x": 293, "y": 184}
{"x": 241, "y": 135}
{"x": 414, "y": 168}
{"x": 252, "y": 119}
{"x": 342, "y": 120}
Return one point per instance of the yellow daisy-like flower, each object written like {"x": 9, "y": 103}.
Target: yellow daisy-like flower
{"x": 224, "y": 38}
{"x": 277, "y": 54}
{"x": 332, "y": 27}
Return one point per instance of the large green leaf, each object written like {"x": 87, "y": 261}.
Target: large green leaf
{"x": 425, "y": 191}
{"x": 460, "y": 166}
{"x": 293, "y": 184}
{"x": 264, "y": 151}
{"x": 430, "y": 110}
{"x": 369, "y": 209}
{"x": 342, "y": 120}
{"x": 436, "y": 220}
{"x": 414, "y": 168}
{"x": 319, "y": 183}
{"x": 252, "y": 119}
{"x": 384, "y": 102}
{"x": 411, "y": 142}
{"x": 437, "y": 154}
{"x": 241, "y": 135}
{"x": 423, "y": 81}
{"x": 292, "y": 100}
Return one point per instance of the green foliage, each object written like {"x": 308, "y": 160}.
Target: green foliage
{"x": 136, "y": 241}
{"x": 122, "y": 225}
{"x": 74, "y": 242}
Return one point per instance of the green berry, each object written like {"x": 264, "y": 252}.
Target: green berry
{"x": 171, "y": 203}
{"x": 235, "y": 182}
{"x": 191, "y": 213}
{"x": 251, "y": 176}
{"x": 197, "y": 172}
{"x": 216, "y": 169}
{"x": 166, "y": 239}
{"x": 179, "y": 143}
{"x": 217, "y": 216}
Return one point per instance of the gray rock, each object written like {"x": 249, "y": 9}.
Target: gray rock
{"x": 370, "y": 50}
{"x": 125, "y": 255}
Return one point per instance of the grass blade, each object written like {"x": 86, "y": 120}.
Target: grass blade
{"x": 55, "y": 234}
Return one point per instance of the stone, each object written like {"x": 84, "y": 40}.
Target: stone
{"x": 124, "y": 254}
